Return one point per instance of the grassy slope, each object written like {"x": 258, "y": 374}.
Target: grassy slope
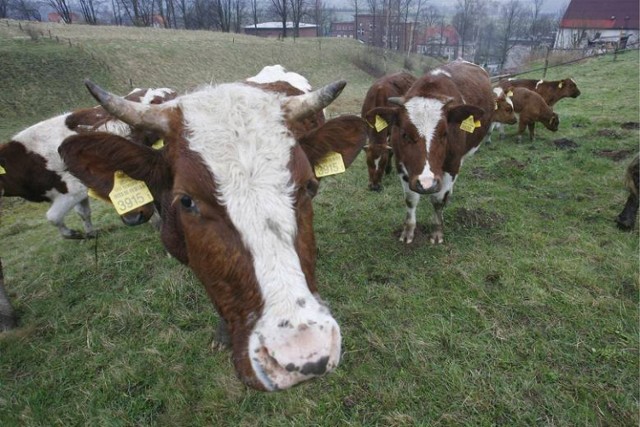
{"x": 527, "y": 315}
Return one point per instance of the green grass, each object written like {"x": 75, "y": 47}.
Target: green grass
{"x": 527, "y": 315}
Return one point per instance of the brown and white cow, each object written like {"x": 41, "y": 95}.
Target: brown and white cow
{"x": 432, "y": 145}
{"x": 32, "y": 169}
{"x": 236, "y": 181}
{"x": 378, "y": 150}
{"x": 503, "y": 112}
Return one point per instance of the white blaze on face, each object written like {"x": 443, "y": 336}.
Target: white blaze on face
{"x": 240, "y": 133}
{"x": 425, "y": 113}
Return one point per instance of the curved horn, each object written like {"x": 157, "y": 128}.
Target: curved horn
{"x": 301, "y": 106}
{"x": 153, "y": 117}
{"x": 396, "y": 100}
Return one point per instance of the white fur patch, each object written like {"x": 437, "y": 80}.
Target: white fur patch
{"x": 425, "y": 113}
{"x": 539, "y": 83}
{"x": 274, "y": 73}
{"x": 438, "y": 72}
{"x": 240, "y": 134}
{"x": 152, "y": 93}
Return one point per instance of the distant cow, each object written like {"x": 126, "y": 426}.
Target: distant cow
{"x": 236, "y": 180}
{"x": 627, "y": 218}
{"x": 551, "y": 91}
{"x": 531, "y": 108}
{"x": 442, "y": 119}
{"x": 503, "y": 112}
{"x": 378, "y": 150}
{"x": 32, "y": 168}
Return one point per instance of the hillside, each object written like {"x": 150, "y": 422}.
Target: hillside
{"x": 44, "y": 77}
{"x": 526, "y": 315}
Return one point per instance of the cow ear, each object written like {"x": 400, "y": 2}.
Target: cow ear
{"x": 460, "y": 113}
{"x": 345, "y": 135}
{"x": 94, "y": 158}
{"x": 388, "y": 114}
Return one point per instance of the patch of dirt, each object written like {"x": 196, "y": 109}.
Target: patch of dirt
{"x": 609, "y": 133}
{"x": 512, "y": 164}
{"x": 630, "y": 125}
{"x": 615, "y": 155}
{"x": 480, "y": 173}
{"x": 478, "y": 218}
{"x": 565, "y": 144}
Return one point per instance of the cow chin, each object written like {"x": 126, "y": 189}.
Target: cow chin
{"x": 287, "y": 350}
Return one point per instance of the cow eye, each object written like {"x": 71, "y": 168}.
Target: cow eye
{"x": 312, "y": 187}
{"x": 188, "y": 204}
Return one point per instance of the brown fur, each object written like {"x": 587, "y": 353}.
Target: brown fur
{"x": 206, "y": 239}
{"x": 626, "y": 220}
{"x": 532, "y": 108}
{"x": 549, "y": 90}
{"x": 380, "y": 143}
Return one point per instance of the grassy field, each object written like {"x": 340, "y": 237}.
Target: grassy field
{"x": 527, "y": 315}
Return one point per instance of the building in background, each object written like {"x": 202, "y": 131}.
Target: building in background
{"x": 274, "y": 29}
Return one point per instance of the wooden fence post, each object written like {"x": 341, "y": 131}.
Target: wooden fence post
{"x": 546, "y": 63}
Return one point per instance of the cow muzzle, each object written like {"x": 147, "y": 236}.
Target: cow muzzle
{"x": 138, "y": 216}
{"x": 284, "y": 353}
{"x": 427, "y": 186}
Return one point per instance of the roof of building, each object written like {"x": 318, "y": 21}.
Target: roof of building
{"x": 602, "y": 14}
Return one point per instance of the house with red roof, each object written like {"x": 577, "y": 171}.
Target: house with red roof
{"x": 441, "y": 41}
{"x": 599, "y": 22}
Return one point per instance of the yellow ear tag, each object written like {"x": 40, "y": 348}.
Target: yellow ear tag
{"x": 2, "y": 170}
{"x": 510, "y": 94}
{"x": 158, "y": 144}
{"x": 560, "y": 85}
{"x": 469, "y": 124}
{"x": 92, "y": 193}
{"x": 128, "y": 193}
{"x": 331, "y": 164}
{"x": 381, "y": 124}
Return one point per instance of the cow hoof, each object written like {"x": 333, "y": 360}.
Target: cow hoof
{"x": 73, "y": 235}
{"x": 91, "y": 234}
{"x": 436, "y": 238}
{"x": 625, "y": 225}
{"x": 219, "y": 345}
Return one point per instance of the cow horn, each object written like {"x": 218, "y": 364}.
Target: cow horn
{"x": 152, "y": 117}
{"x": 301, "y": 106}
{"x": 396, "y": 100}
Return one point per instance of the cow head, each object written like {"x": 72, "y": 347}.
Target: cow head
{"x": 568, "y": 88}
{"x": 503, "y": 111}
{"x": 426, "y": 124}
{"x": 378, "y": 153}
{"x": 236, "y": 188}
{"x": 552, "y": 122}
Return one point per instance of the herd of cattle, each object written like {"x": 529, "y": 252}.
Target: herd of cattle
{"x": 232, "y": 169}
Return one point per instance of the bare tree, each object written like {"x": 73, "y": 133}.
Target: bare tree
{"x": 467, "y": 20}
{"x": 280, "y": 8}
{"x": 88, "y": 9}
{"x": 140, "y": 12}
{"x": 255, "y": 12}
{"x": 512, "y": 19}
{"x": 297, "y": 9}
{"x": 4, "y": 8}
{"x": 319, "y": 17}
{"x": 535, "y": 21}
{"x": 62, "y": 8}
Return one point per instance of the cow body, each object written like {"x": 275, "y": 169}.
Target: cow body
{"x": 34, "y": 170}
{"x": 432, "y": 145}
{"x": 626, "y": 220}
{"x": 235, "y": 180}
{"x": 531, "y": 108}
{"x": 378, "y": 150}
{"x": 551, "y": 91}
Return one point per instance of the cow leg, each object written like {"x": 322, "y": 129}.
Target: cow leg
{"x": 61, "y": 205}
{"x": 532, "y": 130}
{"x": 222, "y": 339}
{"x": 487, "y": 138}
{"x": 627, "y": 218}
{"x": 411, "y": 199}
{"x": 7, "y": 315}
{"x": 84, "y": 210}
{"x": 521, "y": 127}
{"x": 439, "y": 201}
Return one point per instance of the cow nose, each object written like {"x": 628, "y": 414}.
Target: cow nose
{"x": 133, "y": 218}
{"x": 433, "y": 188}
{"x": 308, "y": 351}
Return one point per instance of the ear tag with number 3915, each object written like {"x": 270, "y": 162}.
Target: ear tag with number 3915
{"x": 469, "y": 124}
{"x": 128, "y": 193}
{"x": 331, "y": 164}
